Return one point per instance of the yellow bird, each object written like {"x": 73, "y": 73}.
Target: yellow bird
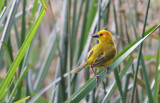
{"x": 102, "y": 54}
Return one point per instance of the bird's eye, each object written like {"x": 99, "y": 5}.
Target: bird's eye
{"x": 101, "y": 34}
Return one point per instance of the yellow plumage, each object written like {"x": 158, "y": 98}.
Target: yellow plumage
{"x": 102, "y": 54}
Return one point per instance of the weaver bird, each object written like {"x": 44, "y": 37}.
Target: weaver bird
{"x": 102, "y": 54}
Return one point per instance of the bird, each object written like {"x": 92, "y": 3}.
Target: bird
{"x": 101, "y": 55}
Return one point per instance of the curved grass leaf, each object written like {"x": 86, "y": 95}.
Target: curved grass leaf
{"x": 1, "y": 4}
{"x": 91, "y": 83}
{"x": 44, "y": 4}
{"x": 35, "y": 98}
{"x": 7, "y": 52}
{"x": 142, "y": 63}
{"x": 156, "y": 74}
{"x": 8, "y": 26}
{"x": 22, "y": 100}
{"x": 20, "y": 55}
{"x": 111, "y": 90}
{"x": 46, "y": 64}
{"x": 18, "y": 83}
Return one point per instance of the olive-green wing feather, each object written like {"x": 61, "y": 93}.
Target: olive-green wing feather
{"x": 104, "y": 57}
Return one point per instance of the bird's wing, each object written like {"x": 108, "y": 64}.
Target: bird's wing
{"x": 88, "y": 55}
{"x": 104, "y": 57}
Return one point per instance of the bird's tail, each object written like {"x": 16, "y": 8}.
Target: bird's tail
{"x": 80, "y": 67}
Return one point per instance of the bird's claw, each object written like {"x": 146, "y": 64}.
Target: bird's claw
{"x": 107, "y": 69}
{"x": 97, "y": 79}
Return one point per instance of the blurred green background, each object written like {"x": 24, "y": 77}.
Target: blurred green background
{"x": 43, "y": 41}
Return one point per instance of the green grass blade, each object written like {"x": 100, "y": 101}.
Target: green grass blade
{"x": 23, "y": 29}
{"x": 1, "y": 4}
{"x": 157, "y": 73}
{"x": 8, "y": 26}
{"x": 126, "y": 87}
{"x": 143, "y": 65}
{"x": 22, "y": 100}
{"x": 46, "y": 64}
{"x": 116, "y": 70}
{"x": 20, "y": 55}
{"x": 134, "y": 42}
{"x": 35, "y": 98}
{"x": 18, "y": 83}
{"x": 118, "y": 81}
{"x": 132, "y": 22}
{"x": 106, "y": 13}
{"x": 8, "y": 89}
{"x": 44, "y": 3}
{"x": 80, "y": 43}
{"x": 5, "y": 12}
{"x": 115, "y": 18}
{"x": 91, "y": 15}
{"x": 17, "y": 37}
{"x": 122, "y": 73}
{"x": 52, "y": 96}
{"x": 99, "y": 15}
{"x": 7, "y": 52}
{"x": 91, "y": 83}
{"x": 84, "y": 24}
{"x": 63, "y": 52}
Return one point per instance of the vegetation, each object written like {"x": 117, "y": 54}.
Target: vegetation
{"x": 43, "y": 41}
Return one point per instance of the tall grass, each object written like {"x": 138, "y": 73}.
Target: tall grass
{"x": 42, "y": 42}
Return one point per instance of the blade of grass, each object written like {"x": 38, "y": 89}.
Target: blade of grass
{"x": 8, "y": 25}
{"x": 80, "y": 43}
{"x": 68, "y": 61}
{"x": 20, "y": 55}
{"x": 1, "y": 4}
{"x": 126, "y": 87}
{"x": 157, "y": 73}
{"x": 22, "y": 100}
{"x": 46, "y": 64}
{"x": 18, "y": 83}
{"x": 91, "y": 83}
{"x": 116, "y": 70}
{"x": 64, "y": 48}
{"x": 91, "y": 15}
{"x": 106, "y": 13}
{"x": 52, "y": 95}
{"x": 25, "y": 63}
{"x": 35, "y": 98}
{"x": 131, "y": 19}
{"x": 143, "y": 65}
{"x": 118, "y": 81}
{"x": 113, "y": 88}
{"x": 7, "y": 52}
{"x": 8, "y": 90}
{"x": 44, "y": 3}
{"x": 23, "y": 29}
{"x": 16, "y": 34}
{"x": 134, "y": 42}
{"x": 74, "y": 34}
{"x": 99, "y": 15}
{"x": 84, "y": 24}
{"x": 115, "y": 18}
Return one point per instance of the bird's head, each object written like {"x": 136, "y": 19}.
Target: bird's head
{"x": 103, "y": 36}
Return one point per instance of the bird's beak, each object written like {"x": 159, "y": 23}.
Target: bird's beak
{"x": 95, "y": 36}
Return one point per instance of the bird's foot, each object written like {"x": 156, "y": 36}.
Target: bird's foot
{"x": 95, "y": 76}
{"x": 97, "y": 79}
{"x": 107, "y": 69}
